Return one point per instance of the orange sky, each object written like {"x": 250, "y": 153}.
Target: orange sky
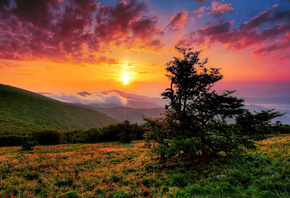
{"x": 50, "y": 54}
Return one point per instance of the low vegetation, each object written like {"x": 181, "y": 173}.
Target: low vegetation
{"x": 122, "y": 132}
{"x": 129, "y": 170}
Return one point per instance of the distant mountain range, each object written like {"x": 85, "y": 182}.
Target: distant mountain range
{"x": 132, "y": 108}
{"x": 132, "y": 100}
{"x": 23, "y": 110}
{"x": 151, "y": 107}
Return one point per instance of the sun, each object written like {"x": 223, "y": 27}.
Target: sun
{"x": 125, "y": 78}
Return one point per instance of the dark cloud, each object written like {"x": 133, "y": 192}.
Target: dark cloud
{"x": 146, "y": 28}
{"x": 4, "y": 4}
{"x": 73, "y": 30}
{"x": 215, "y": 29}
{"x": 178, "y": 20}
{"x": 38, "y": 12}
{"x": 200, "y": 1}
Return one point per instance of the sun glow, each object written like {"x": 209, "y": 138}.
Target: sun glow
{"x": 125, "y": 78}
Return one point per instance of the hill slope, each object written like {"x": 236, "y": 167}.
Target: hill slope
{"x": 21, "y": 109}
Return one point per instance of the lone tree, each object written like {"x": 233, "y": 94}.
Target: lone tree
{"x": 195, "y": 120}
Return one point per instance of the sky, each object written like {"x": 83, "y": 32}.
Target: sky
{"x": 54, "y": 46}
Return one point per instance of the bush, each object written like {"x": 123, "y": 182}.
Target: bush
{"x": 48, "y": 137}
{"x": 27, "y": 142}
{"x": 94, "y": 135}
{"x": 69, "y": 194}
{"x": 123, "y": 132}
{"x": 10, "y": 140}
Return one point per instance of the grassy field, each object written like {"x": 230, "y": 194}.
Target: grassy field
{"x": 129, "y": 170}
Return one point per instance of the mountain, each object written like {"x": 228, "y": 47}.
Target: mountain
{"x": 115, "y": 98}
{"x": 21, "y": 109}
{"x": 117, "y": 103}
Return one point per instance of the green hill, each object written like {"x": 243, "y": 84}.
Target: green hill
{"x": 21, "y": 109}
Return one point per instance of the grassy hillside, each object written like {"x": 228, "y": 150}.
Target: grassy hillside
{"x": 21, "y": 109}
{"x": 127, "y": 170}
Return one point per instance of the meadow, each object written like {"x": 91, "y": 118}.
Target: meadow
{"x": 130, "y": 170}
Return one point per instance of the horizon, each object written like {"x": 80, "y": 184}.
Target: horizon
{"x": 71, "y": 46}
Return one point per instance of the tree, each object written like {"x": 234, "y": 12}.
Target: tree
{"x": 196, "y": 115}
{"x": 259, "y": 124}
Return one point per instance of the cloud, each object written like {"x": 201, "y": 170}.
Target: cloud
{"x": 216, "y": 29}
{"x": 217, "y": 9}
{"x": 178, "y": 20}
{"x": 124, "y": 24}
{"x": 249, "y": 35}
{"x": 200, "y": 1}
{"x": 279, "y": 45}
{"x": 199, "y": 12}
{"x": 103, "y": 59}
{"x": 146, "y": 28}
{"x": 74, "y": 30}
{"x": 4, "y": 4}
{"x": 259, "y": 20}
{"x": 95, "y": 98}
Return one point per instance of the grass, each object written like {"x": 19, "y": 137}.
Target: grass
{"x": 130, "y": 170}
{"x": 21, "y": 109}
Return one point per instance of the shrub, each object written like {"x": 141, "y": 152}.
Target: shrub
{"x": 48, "y": 137}
{"x": 27, "y": 142}
{"x": 69, "y": 194}
{"x": 93, "y": 135}
{"x": 31, "y": 175}
{"x": 10, "y": 140}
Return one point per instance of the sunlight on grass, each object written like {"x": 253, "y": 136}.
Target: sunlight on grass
{"x": 129, "y": 170}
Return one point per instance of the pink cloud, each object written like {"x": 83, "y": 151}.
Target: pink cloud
{"x": 199, "y": 12}
{"x": 178, "y": 20}
{"x": 279, "y": 45}
{"x": 218, "y": 9}
{"x": 103, "y": 59}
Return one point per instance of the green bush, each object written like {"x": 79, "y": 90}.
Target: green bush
{"x": 48, "y": 137}
{"x": 94, "y": 135}
{"x": 70, "y": 194}
{"x": 31, "y": 175}
{"x": 10, "y": 140}
{"x": 123, "y": 132}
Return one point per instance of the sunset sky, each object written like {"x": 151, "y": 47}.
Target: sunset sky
{"x": 89, "y": 45}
